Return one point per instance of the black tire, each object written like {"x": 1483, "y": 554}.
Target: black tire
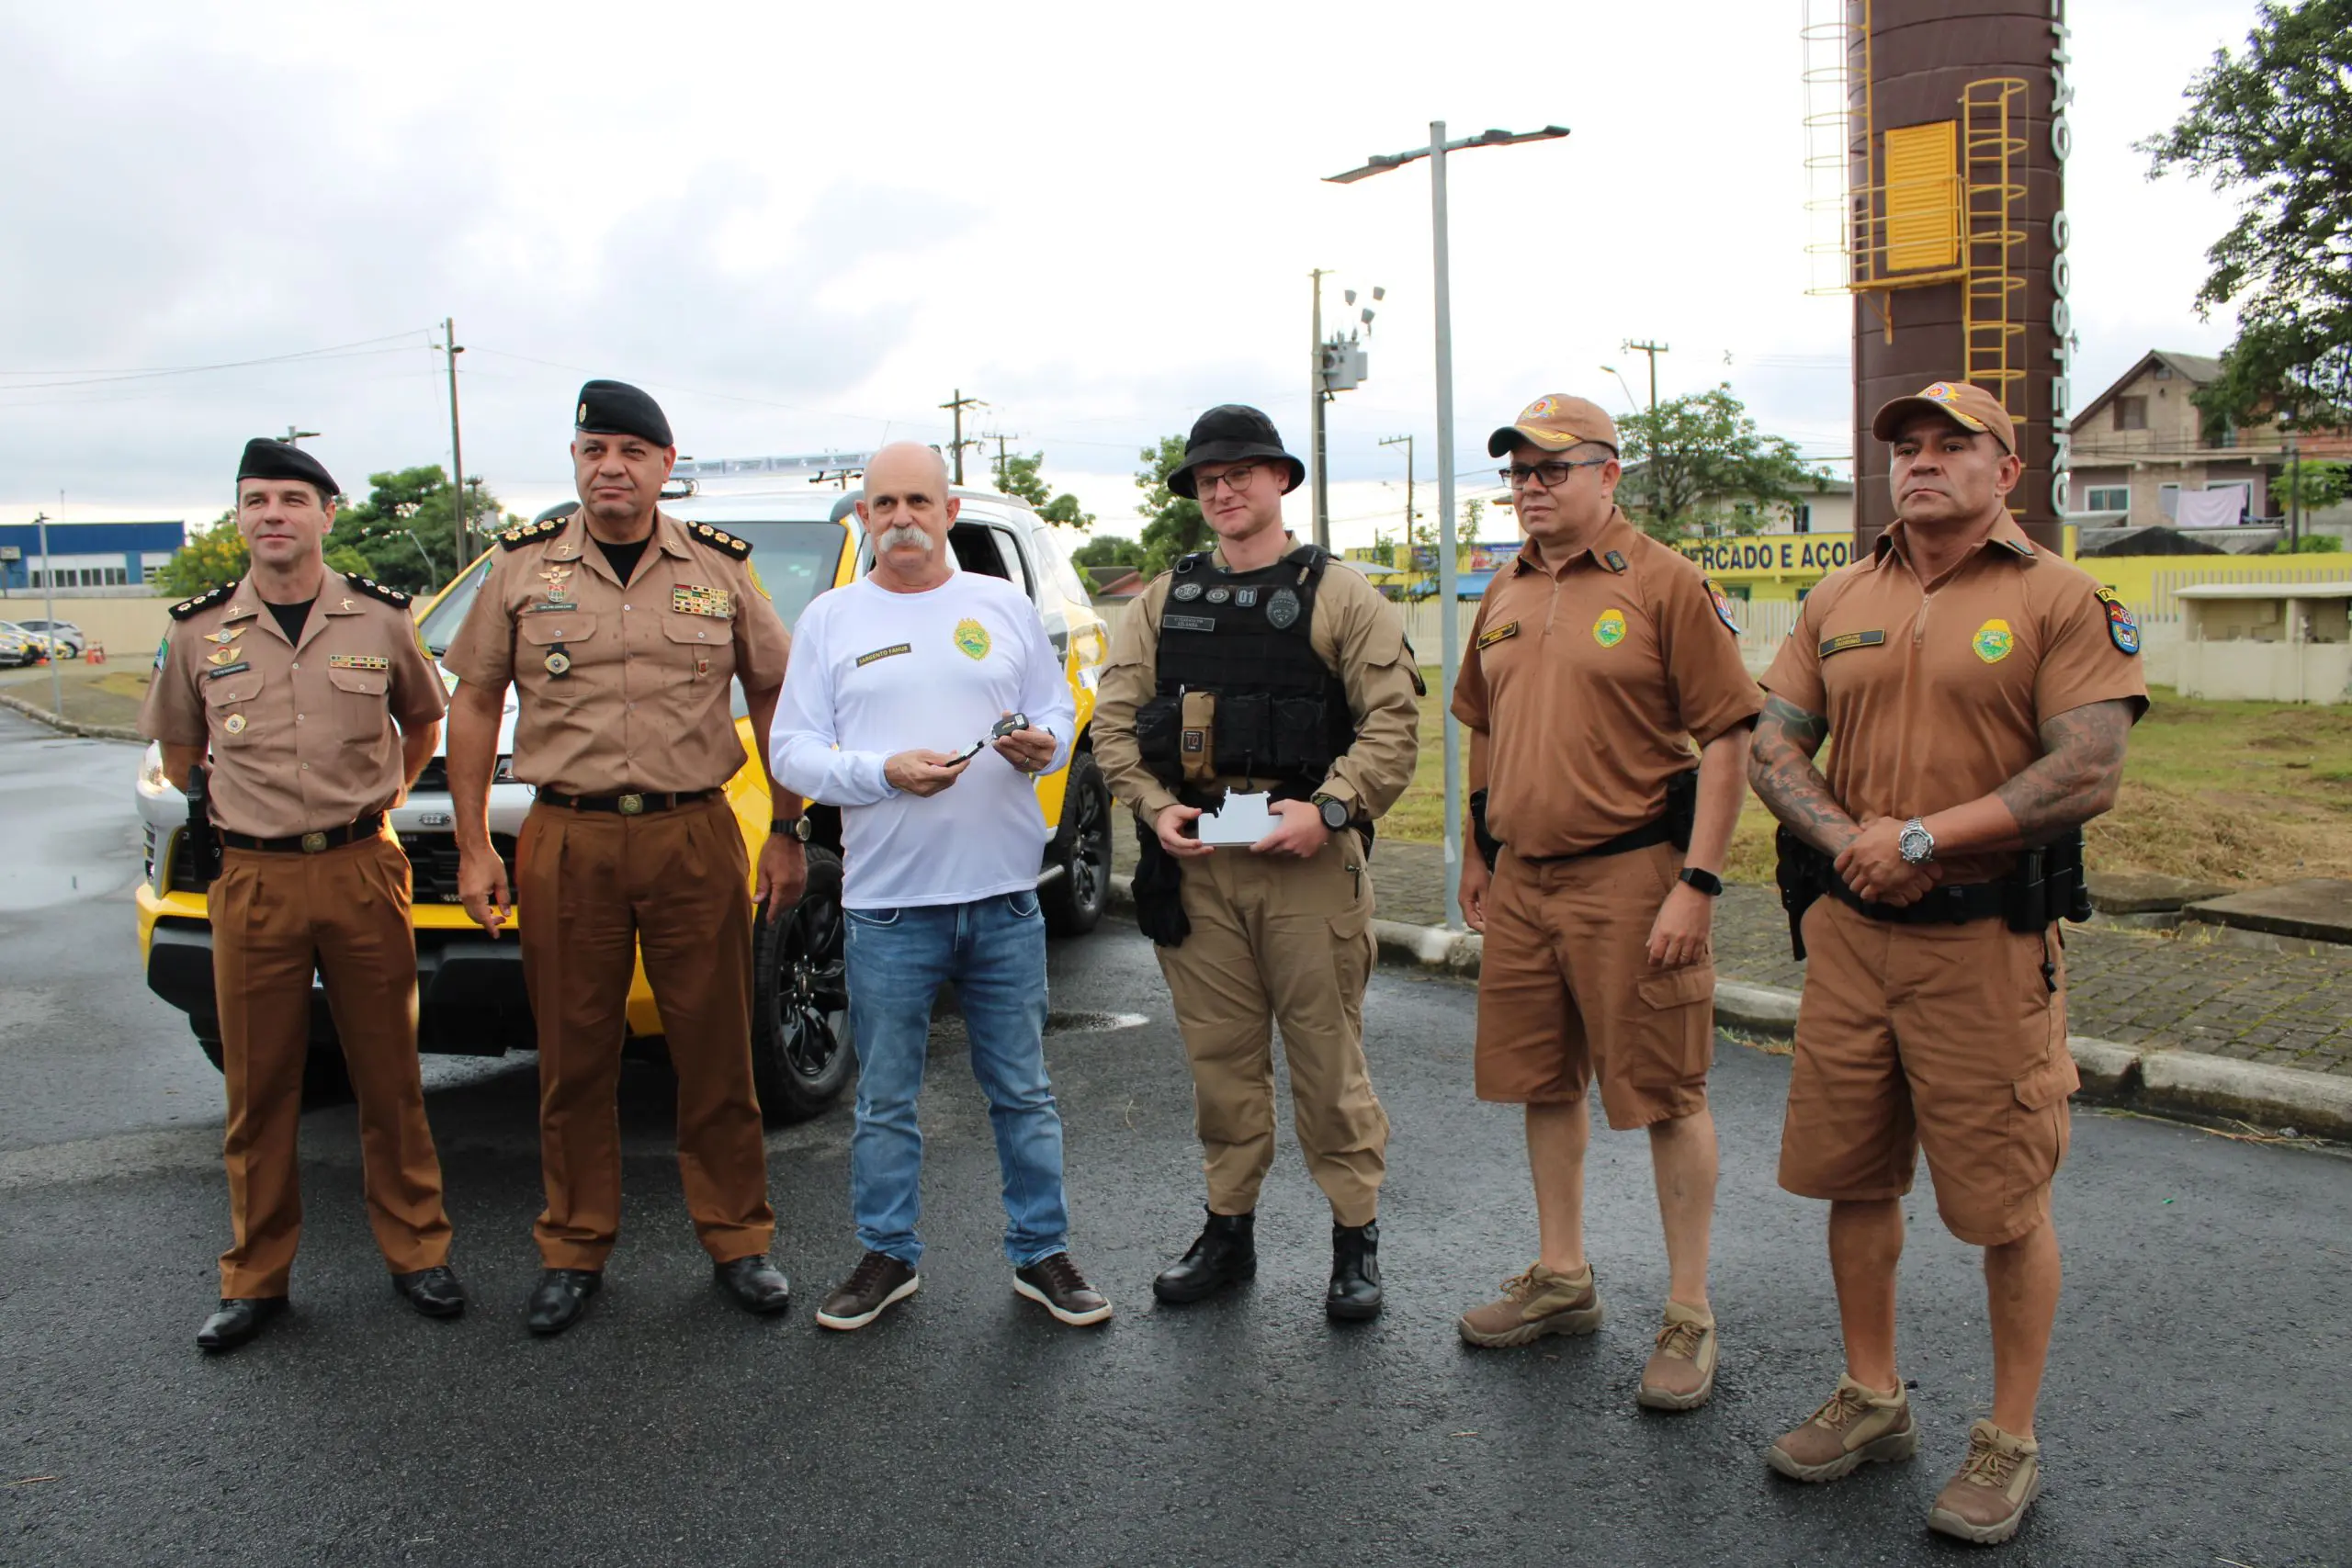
{"x": 1074, "y": 901}
{"x": 801, "y": 1055}
{"x": 326, "y": 1080}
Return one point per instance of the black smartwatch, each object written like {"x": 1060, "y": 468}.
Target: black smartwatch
{"x": 1706, "y": 882}
{"x": 793, "y": 827}
{"x": 1336, "y": 814}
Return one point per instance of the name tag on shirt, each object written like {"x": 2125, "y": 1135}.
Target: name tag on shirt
{"x": 1503, "y": 633}
{"x": 1845, "y": 640}
{"x": 890, "y": 653}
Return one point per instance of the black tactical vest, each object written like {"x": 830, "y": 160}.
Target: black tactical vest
{"x": 1281, "y": 716}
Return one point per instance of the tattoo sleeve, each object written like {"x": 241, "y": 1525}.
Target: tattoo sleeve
{"x": 2078, "y": 775}
{"x": 1779, "y": 764}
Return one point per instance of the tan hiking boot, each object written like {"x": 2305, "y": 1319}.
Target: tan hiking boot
{"x": 1859, "y": 1426}
{"x": 1681, "y": 1372}
{"x": 1538, "y": 1302}
{"x": 1997, "y": 1481}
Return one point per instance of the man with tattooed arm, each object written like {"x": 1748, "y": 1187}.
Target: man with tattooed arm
{"x": 1979, "y": 691}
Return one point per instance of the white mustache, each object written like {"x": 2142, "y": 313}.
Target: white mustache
{"x": 904, "y": 534}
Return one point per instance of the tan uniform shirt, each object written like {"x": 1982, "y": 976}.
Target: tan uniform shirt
{"x": 1936, "y": 695}
{"x": 622, "y": 686}
{"x": 1591, "y": 681}
{"x": 1357, "y": 633}
{"x": 301, "y": 734}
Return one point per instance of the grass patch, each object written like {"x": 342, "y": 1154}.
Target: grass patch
{"x": 99, "y": 695}
{"x": 2234, "y": 793}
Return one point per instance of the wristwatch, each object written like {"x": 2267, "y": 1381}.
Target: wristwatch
{"x": 1919, "y": 845}
{"x": 1706, "y": 882}
{"x": 1336, "y": 814}
{"x": 795, "y": 827}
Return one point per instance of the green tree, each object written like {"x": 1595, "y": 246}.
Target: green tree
{"x": 1703, "y": 463}
{"x": 1017, "y": 474}
{"x": 1174, "y": 525}
{"x": 1109, "y": 549}
{"x": 416, "y": 500}
{"x": 2274, "y": 124}
{"x": 218, "y": 555}
{"x": 2314, "y": 485}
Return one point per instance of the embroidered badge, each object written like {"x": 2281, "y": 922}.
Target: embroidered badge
{"x": 754, "y": 573}
{"x": 972, "y": 638}
{"x": 1245, "y": 598}
{"x": 1190, "y": 623}
{"x": 890, "y": 653}
{"x": 2122, "y": 630}
{"x": 691, "y": 600}
{"x": 220, "y": 656}
{"x": 1992, "y": 641}
{"x": 358, "y": 661}
{"x": 1845, "y": 640}
{"x": 1723, "y": 605}
{"x": 1610, "y": 630}
{"x": 1494, "y": 635}
{"x": 1282, "y": 609}
{"x": 1219, "y": 595}
{"x": 162, "y": 648}
{"x": 1187, "y": 592}
{"x": 235, "y": 724}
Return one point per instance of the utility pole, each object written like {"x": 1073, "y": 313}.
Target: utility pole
{"x": 1407, "y": 441}
{"x": 296, "y": 437}
{"x": 1653, "y": 350}
{"x": 1318, "y": 394}
{"x": 1003, "y": 462}
{"x": 457, "y": 445}
{"x": 48, "y": 613}
{"x": 958, "y": 403}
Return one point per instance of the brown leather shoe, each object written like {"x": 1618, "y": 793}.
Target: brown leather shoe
{"x": 1055, "y": 1284}
{"x": 1681, "y": 1372}
{"x": 1537, "y": 1303}
{"x": 1859, "y": 1426}
{"x": 878, "y": 1281}
{"x": 1997, "y": 1482}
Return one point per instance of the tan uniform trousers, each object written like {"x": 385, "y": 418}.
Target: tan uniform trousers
{"x": 1280, "y": 940}
{"x": 596, "y": 889}
{"x": 343, "y": 913}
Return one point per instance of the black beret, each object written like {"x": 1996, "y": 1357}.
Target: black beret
{"x": 267, "y": 458}
{"x": 615, "y": 408}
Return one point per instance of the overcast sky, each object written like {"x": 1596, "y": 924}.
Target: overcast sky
{"x": 801, "y": 228}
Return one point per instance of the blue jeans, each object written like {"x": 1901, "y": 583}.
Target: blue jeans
{"x": 994, "y": 951}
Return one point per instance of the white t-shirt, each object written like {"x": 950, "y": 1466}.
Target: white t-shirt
{"x": 875, "y": 673}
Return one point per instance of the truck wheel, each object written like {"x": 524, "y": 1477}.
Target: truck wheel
{"x": 325, "y": 1079}
{"x": 1073, "y": 902}
{"x": 801, "y": 1055}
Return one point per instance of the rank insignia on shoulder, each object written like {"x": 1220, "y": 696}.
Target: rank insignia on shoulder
{"x": 187, "y": 607}
{"x": 373, "y": 589}
{"x": 1723, "y": 605}
{"x": 516, "y": 537}
{"x": 1845, "y": 640}
{"x": 1613, "y": 562}
{"x": 721, "y": 539}
{"x": 1494, "y": 635}
{"x": 2122, "y": 630}
{"x": 358, "y": 661}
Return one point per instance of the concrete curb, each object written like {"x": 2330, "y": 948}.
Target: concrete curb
{"x": 86, "y": 731}
{"x": 2184, "y": 1084}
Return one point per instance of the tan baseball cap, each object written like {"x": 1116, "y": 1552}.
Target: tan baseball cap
{"x": 1964, "y": 403}
{"x": 1555, "y": 422}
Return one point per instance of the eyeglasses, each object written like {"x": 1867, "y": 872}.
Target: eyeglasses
{"x": 1235, "y": 478}
{"x": 1552, "y": 475}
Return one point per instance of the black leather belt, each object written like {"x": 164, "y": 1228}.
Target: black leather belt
{"x": 634, "y": 804}
{"x": 308, "y": 843}
{"x": 1658, "y": 832}
{"x": 1942, "y": 906}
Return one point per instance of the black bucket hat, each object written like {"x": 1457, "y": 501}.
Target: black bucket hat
{"x": 1231, "y": 432}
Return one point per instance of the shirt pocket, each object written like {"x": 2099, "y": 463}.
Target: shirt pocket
{"x": 360, "y": 706}
{"x": 229, "y": 709}
{"x": 547, "y": 632}
{"x": 704, "y": 646}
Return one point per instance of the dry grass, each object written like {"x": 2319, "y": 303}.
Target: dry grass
{"x": 102, "y": 693}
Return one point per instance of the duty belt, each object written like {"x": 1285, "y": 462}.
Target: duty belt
{"x": 308, "y": 843}
{"x": 633, "y": 803}
{"x": 1658, "y": 832}
{"x": 1939, "y": 906}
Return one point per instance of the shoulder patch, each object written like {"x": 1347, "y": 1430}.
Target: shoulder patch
{"x": 375, "y": 589}
{"x": 187, "y": 607}
{"x": 2122, "y": 630}
{"x": 1723, "y": 605}
{"x": 721, "y": 540}
{"x": 515, "y": 538}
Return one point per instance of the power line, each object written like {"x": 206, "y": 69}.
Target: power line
{"x": 81, "y": 380}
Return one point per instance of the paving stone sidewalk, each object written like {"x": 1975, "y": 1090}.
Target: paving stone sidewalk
{"x": 2134, "y": 988}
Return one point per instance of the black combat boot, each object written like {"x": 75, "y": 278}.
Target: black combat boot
{"x": 1355, "y": 1273}
{"x": 1226, "y": 1252}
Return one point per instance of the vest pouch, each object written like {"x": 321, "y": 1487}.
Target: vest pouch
{"x": 1301, "y": 748}
{"x": 1197, "y": 741}
{"x": 1156, "y": 726}
{"x": 1245, "y": 743}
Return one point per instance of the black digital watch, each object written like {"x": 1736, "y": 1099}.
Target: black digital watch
{"x": 1706, "y": 882}
{"x": 1336, "y": 814}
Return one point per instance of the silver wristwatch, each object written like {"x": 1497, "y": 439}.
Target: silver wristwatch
{"x": 1919, "y": 845}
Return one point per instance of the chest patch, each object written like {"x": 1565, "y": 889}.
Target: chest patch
{"x": 358, "y": 661}
{"x": 1846, "y": 640}
{"x": 2122, "y": 630}
{"x": 1992, "y": 641}
{"x": 693, "y": 601}
{"x": 163, "y": 649}
{"x": 1494, "y": 635}
{"x": 1610, "y": 630}
{"x": 972, "y": 639}
{"x": 1723, "y": 605}
{"x": 892, "y": 651}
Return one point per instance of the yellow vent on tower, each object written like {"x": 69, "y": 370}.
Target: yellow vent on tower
{"x": 1923, "y": 197}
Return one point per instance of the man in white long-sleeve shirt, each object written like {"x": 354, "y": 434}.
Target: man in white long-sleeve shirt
{"x": 893, "y": 678}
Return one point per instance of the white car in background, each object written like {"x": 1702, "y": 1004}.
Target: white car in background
{"x": 66, "y": 639}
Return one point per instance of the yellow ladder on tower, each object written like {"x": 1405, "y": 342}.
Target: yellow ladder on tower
{"x": 1993, "y": 294}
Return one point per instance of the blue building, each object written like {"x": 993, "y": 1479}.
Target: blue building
{"x": 86, "y": 555}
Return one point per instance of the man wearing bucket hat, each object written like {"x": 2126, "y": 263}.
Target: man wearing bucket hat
{"x": 1609, "y": 715}
{"x": 1263, "y": 665}
{"x": 1980, "y": 692}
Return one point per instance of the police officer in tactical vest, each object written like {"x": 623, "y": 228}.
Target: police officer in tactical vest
{"x": 1262, "y": 676}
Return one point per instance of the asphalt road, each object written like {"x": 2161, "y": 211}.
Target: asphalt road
{"x": 2195, "y": 1411}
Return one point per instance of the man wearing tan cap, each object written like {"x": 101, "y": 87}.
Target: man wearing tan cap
{"x": 1980, "y": 692}
{"x": 1609, "y": 715}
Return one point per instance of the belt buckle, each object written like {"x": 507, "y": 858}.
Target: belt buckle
{"x": 313, "y": 842}
{"x": 631, "y": 805}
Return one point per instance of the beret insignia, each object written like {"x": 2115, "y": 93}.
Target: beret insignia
{"x": 720, "y": 539}
{"x": 373, "y": 589}
{"x": 187, "y": 607}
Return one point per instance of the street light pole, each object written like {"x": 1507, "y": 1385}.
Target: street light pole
{"x": 457, "y": 445}
{"x": 1319, "y": 493}
{"x": 48, "y": 613}
{"x": 1449, "y": 618}
{"x": 1406, "y": 442}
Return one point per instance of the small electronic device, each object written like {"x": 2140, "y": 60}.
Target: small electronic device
{"x": 1011, "y": 724}
{"x": 1241, "y": 821}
